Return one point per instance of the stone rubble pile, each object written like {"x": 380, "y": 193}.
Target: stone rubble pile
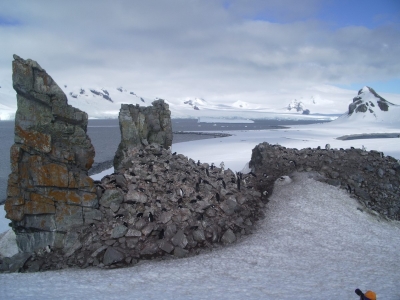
{"x": 369, "y": 176}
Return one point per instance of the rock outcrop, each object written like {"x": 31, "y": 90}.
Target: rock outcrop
{"x": 48, "y": 189}
{"x": 143, "y": 126}
{"x": 369, "y": 176}
{"x": 159, "y": 206}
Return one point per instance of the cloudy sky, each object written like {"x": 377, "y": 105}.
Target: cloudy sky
{"x": 207, "y": 48}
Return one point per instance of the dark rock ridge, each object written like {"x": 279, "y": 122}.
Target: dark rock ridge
{"x": 142, "y": 126}
{"x": 369, "y": 176}
{"x": 362, "y": 105}
{"x": 158, "y": 205}
{"x": 48, "y": 189}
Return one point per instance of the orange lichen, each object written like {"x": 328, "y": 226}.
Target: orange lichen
{"x": 65, "y": 196}
{"x": 37, "y": 140}
{"x": 14, "y": 212}
{"x": 39, "y": 204}
{"x": 49, "y": 175}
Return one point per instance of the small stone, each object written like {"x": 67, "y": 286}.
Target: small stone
{"x": 100, "y": 249}
{"x": 179, "y": 239}
{"x": 165, "y": 217}
{"x": 119, "y": 231}
{"x": 166, "y": 246}
{"x": 112, "y": 256}
{"x": 198, "y": 235}
{"x": 133, "y": 232}
{"x": 180, "y": 253}
{"x": 114, "y": 207}
{"x": 149, "y": 249}
{"x": 110, "y": 242}
{"x": 228, "y": 237}
{"x": 111, "y": 196}
{"x": 132, "y": 242}
{"x": 148, "y": 229}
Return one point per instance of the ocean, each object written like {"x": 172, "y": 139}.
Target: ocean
{"x": 105, "y": 136}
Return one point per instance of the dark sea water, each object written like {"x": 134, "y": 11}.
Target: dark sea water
{"x": 105, "y": 136}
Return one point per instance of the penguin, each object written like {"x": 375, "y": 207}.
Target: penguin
{"x": 238, "y": 184}
{"x": 224, "y": 184}
{"x": 197, "y": 187}
{"x": 208, "y": 173}
{"x": 139, "y": 215}
{"x": 161, "y": 234}
{"x": 217, "y": 197}
{"x": 212, "y": 166}
{"x": 151, "y": 218}
{"x": 198, "y": 163}
{"x": 174, "y": 153}
{"x": 180, "y": 192}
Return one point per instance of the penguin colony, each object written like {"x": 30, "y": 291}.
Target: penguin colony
{"x": 160, "y": 205}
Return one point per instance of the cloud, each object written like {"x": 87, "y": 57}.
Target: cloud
{"x": 203, "y": 48}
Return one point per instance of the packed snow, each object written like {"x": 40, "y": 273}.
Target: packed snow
{"x": 315, "y": 241}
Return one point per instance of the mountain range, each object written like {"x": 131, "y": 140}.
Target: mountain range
{"x": 323, "y": 102}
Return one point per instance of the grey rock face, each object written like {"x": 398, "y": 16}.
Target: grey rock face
{"x": 142, "y": 126}
{"x": 48, "y": 185}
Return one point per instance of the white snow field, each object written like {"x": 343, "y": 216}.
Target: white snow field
{"x": 315, "y": 242}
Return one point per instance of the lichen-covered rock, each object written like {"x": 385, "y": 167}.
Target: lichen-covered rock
{"x": 141, "y": 125}
{"x": 48, "y": 185}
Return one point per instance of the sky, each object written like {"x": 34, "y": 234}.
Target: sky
{"x": 220, "y": 49}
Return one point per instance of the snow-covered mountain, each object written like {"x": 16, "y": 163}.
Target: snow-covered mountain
{"x": 368, "y": 106}
{"x": 102, "y": 102}
{"x": 105, "y": 102}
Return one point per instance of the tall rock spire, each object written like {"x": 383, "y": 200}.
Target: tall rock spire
{"x": 48, "y": 188}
